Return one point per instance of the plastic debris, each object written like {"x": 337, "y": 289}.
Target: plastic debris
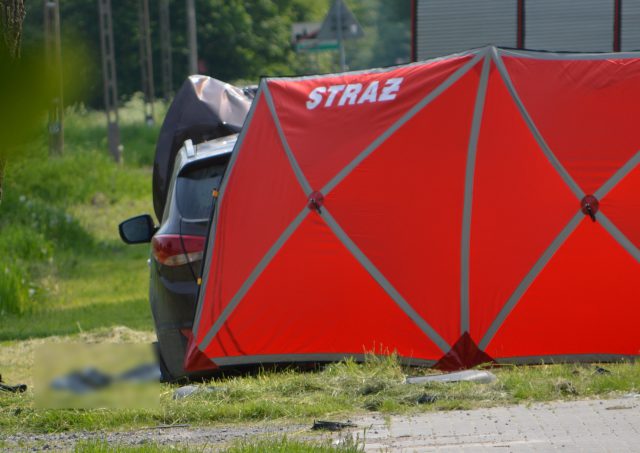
{"x": 479, "y": 376}
{"x": 326, "y": 425}
{"x": 188, "y": 390}
{"x": 426, "y": 398}
{"x": 20, "y": 388}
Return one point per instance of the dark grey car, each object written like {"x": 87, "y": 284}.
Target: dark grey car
{"x": 177, "y": 245}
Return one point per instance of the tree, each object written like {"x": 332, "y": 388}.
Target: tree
{"x": 25, "y": 87}
{"x": 12, "y": 14}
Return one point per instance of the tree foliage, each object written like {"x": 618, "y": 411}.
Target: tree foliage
{"x": 237, "y": 39}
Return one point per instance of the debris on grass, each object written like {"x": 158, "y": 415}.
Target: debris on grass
{"x": 325, "y": 425}
{"x": 566, "y": 387}
{"x": 427, "y": 398}
{"x": 479, "y": 376}
{"x": 189, "y": 390}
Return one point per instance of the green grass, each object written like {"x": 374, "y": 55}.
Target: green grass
{"x": 104, "y": 447}
{"x": 275, "y": 445}
{"x": 58, "y": 228}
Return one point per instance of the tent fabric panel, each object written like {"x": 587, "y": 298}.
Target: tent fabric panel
{"x": 314, "y": 297}
{"x": 251, "y": 216}
{"x": 325, "y": 137}
{"x": 520, "y": 205}
{"x": 584, "y": 109}
{"x": 402, "y": 206}
{"x": 585, "y": 301}
{"x": 622, "y": 206}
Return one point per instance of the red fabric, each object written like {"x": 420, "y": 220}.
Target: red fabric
{"x": 194, "y": 358}
{"x": 464, "y": 354}
{"x": 409, "y": 210}
{"x": 254, "y": 214}
{"x": 585, "y": 110}
{"x": 585, "y": 301}
{"x": 520, "y": 205}
{"x": 325, "y": 139}
{"x": 402, "y": 210}
{"x": 622, "y": 206}
{"x": 326, "y": 303}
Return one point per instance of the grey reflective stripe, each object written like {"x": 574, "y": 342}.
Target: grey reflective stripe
{"x": 468, "y": 196}
{"x": 285, "y": 144}
{"x": 383, "y": 282}
{"x": 534, "y": 130}
{"x": 529, "y": 278}
{"x": 328, "y": 357}
{"x": 618, "y": 176}
{"x": 214, "y": 223}
{"x": 233, "y": 303}
{"x": 618, "y": 235}
{"x": 567, "y": 358}
{"x": 541, "y": 55}
{"x": 398, "y": 124}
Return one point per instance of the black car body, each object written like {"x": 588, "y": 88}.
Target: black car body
{"x": 177, "y": 245}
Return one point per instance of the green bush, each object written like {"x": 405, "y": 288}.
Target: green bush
{"x": 30, "y": 225}
{"x": 14, "y": 290}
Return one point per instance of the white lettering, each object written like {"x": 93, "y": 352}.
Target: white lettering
{"x": 315, "y": 97}
{"x": 350, "y": 94}
{"x": 370, "y": 93}
{"x": 354, "y": 93}
{"x": 390, "y": 89}
{"x": 333, "y": 92}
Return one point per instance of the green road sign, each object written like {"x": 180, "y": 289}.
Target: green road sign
{"x": 313, "y": 45}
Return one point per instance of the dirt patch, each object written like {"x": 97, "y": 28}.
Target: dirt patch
{"x": 204, "y": 438}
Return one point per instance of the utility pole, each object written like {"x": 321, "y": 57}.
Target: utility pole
{"x": 343, "y": 59}
{"x": 109, "y": 79}
{"x": 165, "y": 50}
{"x": 192, "y": 38}
{"x": 53, "y": 56}
{"x": 146, "y": 61}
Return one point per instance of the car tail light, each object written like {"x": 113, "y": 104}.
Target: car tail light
{"x": 176, "y": 250}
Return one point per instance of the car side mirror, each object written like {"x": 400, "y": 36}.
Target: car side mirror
{"x": 137, "y": 230}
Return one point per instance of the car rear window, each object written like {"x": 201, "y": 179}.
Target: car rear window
{"x": 194, "y": 188}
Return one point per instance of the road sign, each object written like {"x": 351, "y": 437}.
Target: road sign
{"x": 313, "y": 45}
{"x": 340, "y": 24}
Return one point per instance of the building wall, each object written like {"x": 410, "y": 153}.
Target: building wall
{"x": 442, "y": 27}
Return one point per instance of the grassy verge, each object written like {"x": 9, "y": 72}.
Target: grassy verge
{"x": 337, "y": 390}
{"x": 279, "y": 445}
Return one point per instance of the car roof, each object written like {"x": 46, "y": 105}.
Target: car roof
{"x": 192, "y": 154}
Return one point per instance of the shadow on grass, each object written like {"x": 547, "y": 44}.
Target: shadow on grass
{"x": 134, "y": 313}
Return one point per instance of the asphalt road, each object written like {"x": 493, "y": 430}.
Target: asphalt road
{"x": 580, "y": 426}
